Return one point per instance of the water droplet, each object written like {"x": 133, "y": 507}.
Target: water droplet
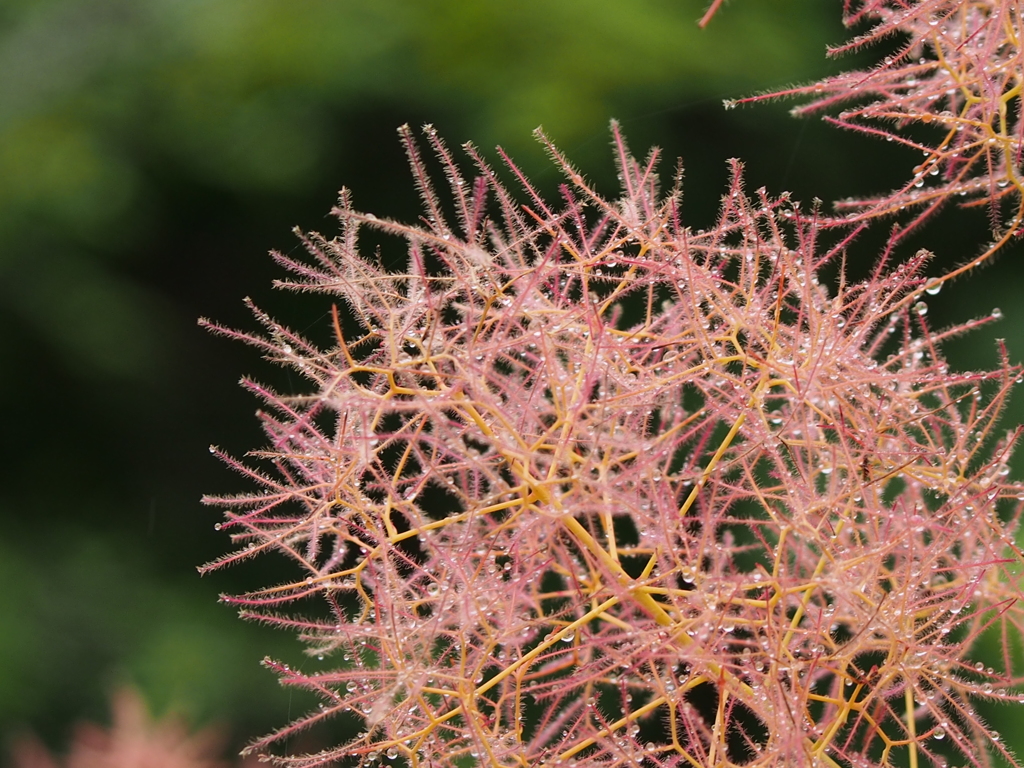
{"x": 921, "y": 308}
{"x": 933, "y": 287}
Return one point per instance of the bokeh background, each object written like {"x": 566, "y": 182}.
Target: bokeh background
{"x": 153, "y": 151}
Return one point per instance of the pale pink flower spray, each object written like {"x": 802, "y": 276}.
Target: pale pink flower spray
{"x": 584, "y": 487}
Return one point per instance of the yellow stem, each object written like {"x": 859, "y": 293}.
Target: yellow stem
{"x": 908, "y": 699}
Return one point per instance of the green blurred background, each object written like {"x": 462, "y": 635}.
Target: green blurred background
{"x": 153, "y": 151}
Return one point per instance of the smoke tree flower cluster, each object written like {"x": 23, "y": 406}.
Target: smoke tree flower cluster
{"x": 583, "y": 486}
{"x": 951, "y": 90}
{"x": 135, "y": 740}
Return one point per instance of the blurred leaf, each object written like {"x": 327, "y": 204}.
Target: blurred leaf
{"x": 101, "y": 323}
